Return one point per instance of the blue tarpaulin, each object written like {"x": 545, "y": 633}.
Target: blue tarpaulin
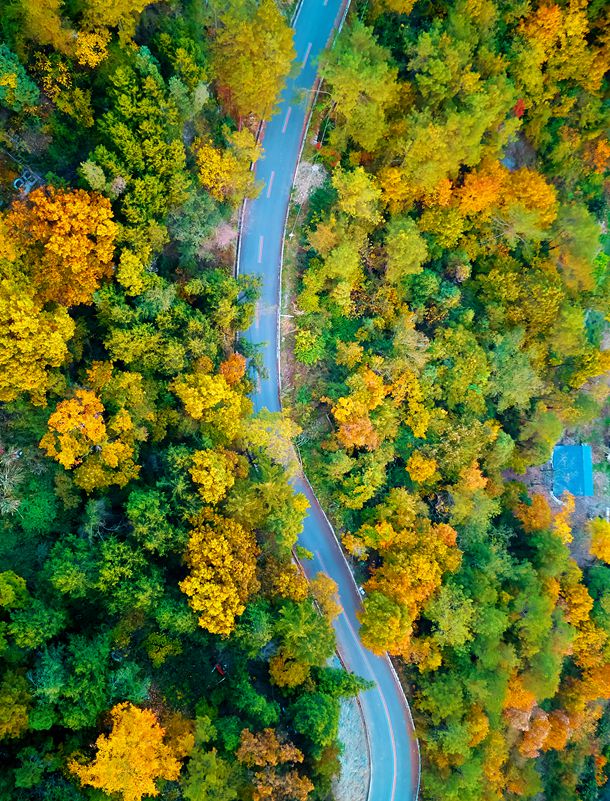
{"x": 572, "y": 470}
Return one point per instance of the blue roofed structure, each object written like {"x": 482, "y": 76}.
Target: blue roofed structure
{"x": 573, "y": 470}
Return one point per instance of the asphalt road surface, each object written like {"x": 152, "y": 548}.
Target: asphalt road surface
{"x": 393, "y": 747}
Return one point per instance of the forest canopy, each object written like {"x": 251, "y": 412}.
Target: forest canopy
{"x": 156, "y": 635}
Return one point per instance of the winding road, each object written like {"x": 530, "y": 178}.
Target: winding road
{"x": 394, "y": 755}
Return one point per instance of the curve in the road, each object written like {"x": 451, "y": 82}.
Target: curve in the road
{"x": 394, "y": 751}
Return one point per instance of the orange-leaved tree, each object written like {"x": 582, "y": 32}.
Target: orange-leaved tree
{"x": 67, "y": 242}
{"x": 233, "y": 368}
{"x": 76, "y": 426}
{"x": 266, "y": 755}
{"x": 352, "y": 411}
{"x": 410, "y": 576}
{"x": 131, "y": 758}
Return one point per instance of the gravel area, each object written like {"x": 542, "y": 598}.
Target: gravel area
{"x": 308, "y": 177}
{"x": 353, "y": 782}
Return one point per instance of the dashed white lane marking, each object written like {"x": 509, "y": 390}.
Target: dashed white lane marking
{"x": 260, "y": 248}
{"x": 307, "y": 52}
{"x": 270, "y": 184}
{"x": 325, "y": 2}
{"x": 288, "y": 113}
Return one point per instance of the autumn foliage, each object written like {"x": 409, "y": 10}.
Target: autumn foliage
{"x": 252, "y": 54}
{"x": 221, "y": 556}
{"x": 225, "y": 172}
{"x": 32, "y": 341}
{"x": 131, "y": 758}
{"x": 271, "y": 763}
{"x": 450, "y": 315}
{"x": 100, "y": 451}
{"x": 77, "y": 425}
{"x": 67, "y": 239}
{"x": 600, "y": 539}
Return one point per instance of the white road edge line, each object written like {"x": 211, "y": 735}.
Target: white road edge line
{"x": 296, "y": 14}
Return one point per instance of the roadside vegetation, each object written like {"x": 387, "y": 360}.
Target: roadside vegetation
{"x": 449, "y": 326}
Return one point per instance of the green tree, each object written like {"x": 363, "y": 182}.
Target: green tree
{"x": 150, "y": 516}
{"x": 451, "y": 614}
{"x": 75, "y": 682}
{"x": 13, "y": 591}
{"x": 123, "y": 578}
{"x": 191, "y": 225}
{"x": 71, "y": 566}
{"x": 17, "y": 90}
{"x": 316, "y": 716}
{"x": 36, "y": 623}
{"x": 364, "y": 85}
{"x": 406, "y": 249}
{"x": 462, "y": 368}
{"x": 142, "y": 156}
{"x": 513, "y": 378}
{"x": 305, "y": 635}
{"x": 209, "y": 777}
{"x": 14, "y": 702}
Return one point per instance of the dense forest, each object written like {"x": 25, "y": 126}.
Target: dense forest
{"x": 156, "y": 637}
{"x": 452, "y": 301}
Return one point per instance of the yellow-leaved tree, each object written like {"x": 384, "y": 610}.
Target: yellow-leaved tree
{"x": 600, "y": 538}
{"x": 214, "y": 473}
{"x": 211, "y": 400}
{"x": 225, "y": 172}
{"x": 221, "y": 556}
{"x": 42, "y": 21}
{"x": 101, "y": 452}
{"x": 45, "y": 23}
{"x": 252, "y": 56}
{"x": 131, "y": 758}
{"x": 31, "y": 341}
{"x": 98, "y": 13}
